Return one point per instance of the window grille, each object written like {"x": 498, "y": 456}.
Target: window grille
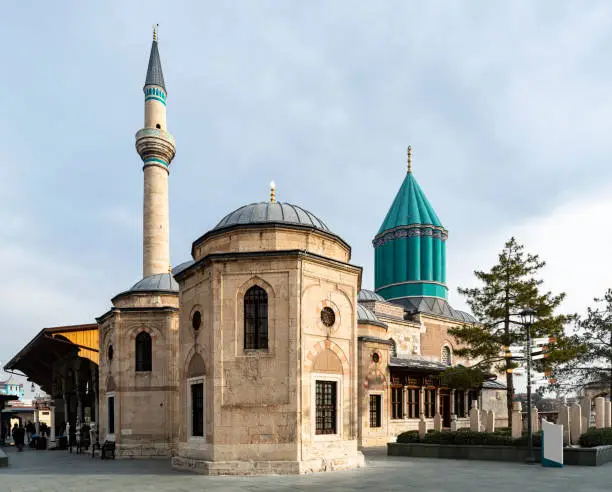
{"x": 375, "y": 404}
{"x": 325, "y": 403}
{"x": 256, "y": 318}
{"x": 144, "y": 352}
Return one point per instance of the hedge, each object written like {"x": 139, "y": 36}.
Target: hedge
{"x": 596, "y": 437}
{"x": 467, "y": 437}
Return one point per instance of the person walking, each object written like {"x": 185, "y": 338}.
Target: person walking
{"x": 19, "y": 436}
{"x": 30, "y": 430}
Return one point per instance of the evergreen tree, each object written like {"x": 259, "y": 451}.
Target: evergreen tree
{"x": 593, "y": 338}
{"x": 509, "y": 287}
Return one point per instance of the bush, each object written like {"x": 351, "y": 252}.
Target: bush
{"x": 408, "y": 437}
{"x": 504, "y": 431}
{"x": 596, "y": 437}
{"x": 465, "y": 437}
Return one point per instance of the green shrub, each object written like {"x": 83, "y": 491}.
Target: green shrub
{"x": 596, "y": 437}
{"x": 504, "y": 431}
{"x": 408, "y": 437}
{"x": 465, "y": 437}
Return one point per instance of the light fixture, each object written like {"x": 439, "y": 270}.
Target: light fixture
{"x": 528, "y": 316}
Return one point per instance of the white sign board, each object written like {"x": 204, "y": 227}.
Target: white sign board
{"x": 552, "y": 444}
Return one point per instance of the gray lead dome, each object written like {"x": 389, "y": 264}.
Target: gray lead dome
{"x": 160, "y": 282}
{"x": 272, "y": 212}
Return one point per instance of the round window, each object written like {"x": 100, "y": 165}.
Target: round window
{"x": 110, "y": 352}
{"x": 375, "y": 357}
{"x": 328, "y": 317}
{"x": 196, "y": 320}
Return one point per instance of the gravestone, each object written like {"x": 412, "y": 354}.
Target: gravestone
{"x": 585, "y": 404}
{"x": 453, "y": 426}
{"x": 575, "y": 423}
{"x": 475, "y": 417}
{"x": 535, "y": 421}
{"x": 490, "y": 421}
{"x": 608, "y": 414}
{"x": 438, "y": 422}
{"x": 564, "y": 420}
{"x": 517, "y": 420}
{"x": 600, "y": 412}
{"x": 422, "y": 427}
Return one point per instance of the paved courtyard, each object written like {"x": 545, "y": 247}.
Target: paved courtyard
{"x": 52, "y": 471}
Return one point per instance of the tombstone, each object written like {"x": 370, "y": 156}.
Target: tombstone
{"x": 517, "y": 420}
{"x": 564, "y": 420}
{"x": 608, "y": 414}
{"x": 490, "y": 421}
{"x": 483, "y": 420}
{"x": 453, "y": 426}
{"x": 475, "y": 417}
{"x": 575, "y": 423}
{"x": 585, "y": 404}
{"x": 438, "y": 422}
{"x": 422, "y": 427}
{"x": 600, "y": 417}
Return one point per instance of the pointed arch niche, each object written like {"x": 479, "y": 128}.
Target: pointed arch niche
{"x": 196, "y": 397}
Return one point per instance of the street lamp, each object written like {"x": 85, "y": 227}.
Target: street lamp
{"x": 528, "y": 318}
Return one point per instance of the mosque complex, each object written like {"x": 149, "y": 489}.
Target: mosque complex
{"x": 262, "y": 354}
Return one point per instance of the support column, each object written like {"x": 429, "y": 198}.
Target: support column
{"x": 466, "y": 402}
{"x": 36, "y": 419}
{"x": 452, "y": 402}
{"x": 437, "y": 402}
{"x": 52, "y": 426}
{"x": 421, "y": 402}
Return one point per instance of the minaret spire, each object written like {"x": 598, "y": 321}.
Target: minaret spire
{"x": 156, "y": 148}
{"x": 409, "y": 159}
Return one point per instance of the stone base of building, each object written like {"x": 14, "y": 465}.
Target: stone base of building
{"x": 143, "y": 451}
{"x": 267, "y": 467}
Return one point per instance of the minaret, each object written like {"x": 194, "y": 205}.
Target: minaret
{"x": 156, "y": 148}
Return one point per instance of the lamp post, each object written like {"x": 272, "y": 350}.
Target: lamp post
{"x": 528, "y": 317}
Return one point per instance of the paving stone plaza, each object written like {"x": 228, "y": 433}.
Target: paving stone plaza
{"x": 60, "y": 471}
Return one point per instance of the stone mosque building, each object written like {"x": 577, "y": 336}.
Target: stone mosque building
{"x": 261, "y": 354}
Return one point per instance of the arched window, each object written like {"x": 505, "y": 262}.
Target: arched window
{"x": 144, "y": 351}
{"x": 256, "y": 318}
{"x": 393, "y": 348}
{"x": 446, "y": 355}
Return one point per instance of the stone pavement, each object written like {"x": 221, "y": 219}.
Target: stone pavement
{"x": 55, "y": 471}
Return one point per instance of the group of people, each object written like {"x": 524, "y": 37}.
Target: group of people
{"x": 20, "y": 434}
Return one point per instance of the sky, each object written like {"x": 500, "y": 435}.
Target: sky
{"x": 507, "y": 106}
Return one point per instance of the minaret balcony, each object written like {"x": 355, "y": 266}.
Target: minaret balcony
{"x": 154, "y": 145}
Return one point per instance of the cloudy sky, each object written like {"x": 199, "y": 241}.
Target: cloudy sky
{"x": 507, "y": 106}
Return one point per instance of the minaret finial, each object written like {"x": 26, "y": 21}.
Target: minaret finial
{"x": 409, "y": 159}
{"x": 155, "y": 27}
{"x": 272, "y": 191}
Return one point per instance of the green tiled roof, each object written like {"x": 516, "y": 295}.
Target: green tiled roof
{"x": 410, "y": 207}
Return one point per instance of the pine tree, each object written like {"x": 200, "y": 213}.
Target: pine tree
{"x": 508, "y": 288}
{"x": 593, "y": 338}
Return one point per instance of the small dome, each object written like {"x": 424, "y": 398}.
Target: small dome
{"x": 160, "y": 282}
{"x": 183, "y": 266}
{"x": 364, "y": 315}
{"x": 369, "y": 295}
{"x": 272, "y": 212}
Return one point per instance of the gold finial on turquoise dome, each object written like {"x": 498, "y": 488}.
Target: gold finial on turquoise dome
{"x": 272, "y": 191}
{"x": 409, "y": 159}
{"x": 155, "y": 26}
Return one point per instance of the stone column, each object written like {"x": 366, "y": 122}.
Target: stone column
{"x": 66, "y": 408}
{"x": 452, "y": 403}
{"x": 52, "y": 425}
{"x": 608, "y": 413}
{"x": 600, "y": 417}
{"x": 437, "y": 402}
{"x": 77, "y": 381}
{"x": 575, "y": 423}
{"x": 466, "y": 404}
{"x": 517, "y": 420}
{"x": 36, "y": 419}
{"x": 421, "y": 402}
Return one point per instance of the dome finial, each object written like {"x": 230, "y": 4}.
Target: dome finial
{"x": 272, "y": 191}
{"x": 409, "y": 159}
{"x": 155, "y": 27}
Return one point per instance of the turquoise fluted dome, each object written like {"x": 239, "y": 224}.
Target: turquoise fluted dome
{"x": 410, "y": 247}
